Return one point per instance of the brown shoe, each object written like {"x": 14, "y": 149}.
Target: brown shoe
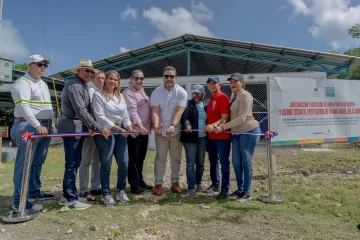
{"x": 157, "y": 190}
{"x": 175, "y": 187}
{"x": 88, "y": 196}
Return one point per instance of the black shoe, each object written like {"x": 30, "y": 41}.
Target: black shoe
{"x": 96, "y": 192}
{"x": 222, "y": 195}
{"x": 145, "y": 186}
{"x": 137, "y": 189}
{"x": 41, "y": 196}
{"x": 243, "y": 196}
{"x": 235, "y": 193}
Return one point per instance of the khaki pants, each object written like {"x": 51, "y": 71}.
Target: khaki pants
{"x": 89, "y": 157}
{"x": 163, "y": 146}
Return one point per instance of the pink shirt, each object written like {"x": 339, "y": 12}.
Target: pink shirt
{"x": 138, "y": 105}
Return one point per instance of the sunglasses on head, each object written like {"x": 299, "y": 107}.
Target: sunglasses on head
{"x": 89, "y": 71}
{"x": 169, "y": 76}
{"x": 232, "y": 100}
{"x": 39, "y": 64}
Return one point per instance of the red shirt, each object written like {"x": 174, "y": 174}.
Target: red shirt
{"x": 218, "y": 104}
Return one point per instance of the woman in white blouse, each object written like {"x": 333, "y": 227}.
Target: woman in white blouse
{"x": 111, "y": 112}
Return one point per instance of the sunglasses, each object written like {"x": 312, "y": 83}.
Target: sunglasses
{"x": 169, "y": 76}
{"x": 138, "y": 78}
{"x": 231, "y": 102}
{"x": 89, "y": 71}
{"x": 39, "y": 64}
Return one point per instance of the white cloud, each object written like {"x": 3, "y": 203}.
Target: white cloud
{"x": 129, "y": 12}
{"x": 134, "y": 31}
{"x": 200, "y": 12}
{"x": 11, "y": 43}
{"x": 282, "y": 7}
{"x": 124, "y": 49}
{"x": 330, "y": 19}
{"x": 179, "y": 21}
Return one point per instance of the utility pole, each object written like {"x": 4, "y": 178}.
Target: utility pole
{"x": 1, "y": 7}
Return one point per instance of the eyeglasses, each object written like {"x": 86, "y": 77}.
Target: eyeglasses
{"x": 89, "y": 71}
{"x": 39, "y": 64}
{"x": 232, "y": 100}
{"x": 138, "y": 78}
{"x": 169, "y": 76}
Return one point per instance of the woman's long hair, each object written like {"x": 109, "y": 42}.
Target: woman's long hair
{"x": 117, "y": 88}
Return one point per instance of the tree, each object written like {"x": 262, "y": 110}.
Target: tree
{"x": 354, "y": 73}
{"x": 354, "y": 31}
{"x": 20, "y": 67}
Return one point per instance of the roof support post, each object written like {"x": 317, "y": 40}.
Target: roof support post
{"x": 188, "y": 63}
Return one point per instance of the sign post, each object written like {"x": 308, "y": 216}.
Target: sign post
{"x": 23, "y": 214}
{"x": 271, "y": 197}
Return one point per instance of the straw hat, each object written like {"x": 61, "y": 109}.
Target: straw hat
{"x": 84, "y": 63}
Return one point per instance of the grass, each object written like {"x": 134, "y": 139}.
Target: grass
{"x": 323, "y": 205}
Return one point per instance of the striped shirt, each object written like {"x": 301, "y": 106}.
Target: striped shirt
{"x": 32, "y": 100}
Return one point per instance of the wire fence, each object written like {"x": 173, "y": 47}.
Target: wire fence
{"x": 257, "y": 90}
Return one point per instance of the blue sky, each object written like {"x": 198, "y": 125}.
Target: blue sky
{"x": 97, "y": 29}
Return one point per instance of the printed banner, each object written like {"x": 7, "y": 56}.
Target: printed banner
{"x": 305, "y": 111}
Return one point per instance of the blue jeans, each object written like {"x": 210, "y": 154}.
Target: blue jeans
{"x": 195, "y": 155}
{"x": 219, "y": 149}
{"x": 40, "y": 150}
{"x": 114, "y": 145}
{"x": 73, "y": 149}
{"x": 243, "y": 147}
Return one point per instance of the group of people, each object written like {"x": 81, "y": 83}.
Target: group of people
{"x": 120, "y": 124}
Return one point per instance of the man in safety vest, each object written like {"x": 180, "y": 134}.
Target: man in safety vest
{"x": 33, "y": 113}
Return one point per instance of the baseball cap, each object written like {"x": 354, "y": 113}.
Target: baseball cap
{"x": 236, "y": 76}
{"x": 214, "y": 78}
{"x": 198, "y": 89}
{"x": 37, "y": 58}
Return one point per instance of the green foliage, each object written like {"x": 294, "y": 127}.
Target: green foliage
{"x": 353, "y": 52}
{"x": 20, "y": 67}
{"x": 354, "y": 31}
{"x": 6, "y": 116}
{"x": 354, "y": 73}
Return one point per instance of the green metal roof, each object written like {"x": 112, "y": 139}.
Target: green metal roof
{"x": 194, "y": 55}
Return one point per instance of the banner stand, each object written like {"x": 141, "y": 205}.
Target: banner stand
{"x": 23, "y": 214}
{"x": 270, "y": 198}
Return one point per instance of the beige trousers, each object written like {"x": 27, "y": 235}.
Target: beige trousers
{"x": 89, "y": 157}
{"x": 163, "y": 146}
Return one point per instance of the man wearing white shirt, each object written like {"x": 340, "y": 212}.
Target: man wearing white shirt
{"x": 168, "y": 102}
{"x": 33, "y": 113}
{"x": 90, "y": 155}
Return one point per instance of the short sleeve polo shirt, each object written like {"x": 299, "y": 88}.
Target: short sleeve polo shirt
{"x": 218, "y": 104}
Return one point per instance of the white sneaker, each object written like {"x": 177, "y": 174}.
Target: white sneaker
{"x": 63, "y": 200}
{"x": 37, "y": 207}
{"x": 109, "y": 201}
{"x": 122, "y": 197}
{"x": 77, "y": 205}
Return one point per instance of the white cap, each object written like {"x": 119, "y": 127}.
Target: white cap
{"x": 37, "y": 58}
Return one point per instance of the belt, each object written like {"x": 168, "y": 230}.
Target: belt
{"x": 40, "y": 120}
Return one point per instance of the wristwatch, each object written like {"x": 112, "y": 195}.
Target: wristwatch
{"x": 173, "y": 125}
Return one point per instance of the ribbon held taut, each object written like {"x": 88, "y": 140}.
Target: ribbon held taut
{"x": 31, "y": 136}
